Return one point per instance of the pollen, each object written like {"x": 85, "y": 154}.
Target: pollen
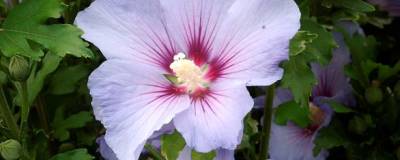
{"x": 188, "y": 74}
{"x": 316, "y": 114}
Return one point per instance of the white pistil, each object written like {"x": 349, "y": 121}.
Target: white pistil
{"x": 187, "y": 72}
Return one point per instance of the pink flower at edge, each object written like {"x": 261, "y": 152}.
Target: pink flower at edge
{"x": 226, "y": 46}
{"x": 292, "y": 142}
{"x": 390, "y": 6}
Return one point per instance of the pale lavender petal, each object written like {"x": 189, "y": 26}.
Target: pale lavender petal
{"x": 185, "y": 154}
{"x": 350, "y": 27}
{"x": 132, "y": 103}
{"x": 132, "y": 29}
{"x": 225, "y": 154}
{"x": 155, "y": 139}
{"x": 291, "y": 142}
{"x": 241, "y": 39}
{"x": 199, "y": 22}
{"x": 105, "y": 150}
{"x": 332, "y": 81}
{"x": 216, "y": 121}
{"x": 166, "y": 129}
{"x": 253, "y": 40}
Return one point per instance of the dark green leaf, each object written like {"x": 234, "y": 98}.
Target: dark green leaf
{"x": 76, "y": 154}
{"x": 203, "y": 156}
{"x": 3, "y": 78}
{"x": 300, "y": 41}
{"x": 299, "y": 78}
{"x": 66, "y": 80}
{"x": 172, "y": 145}
{"x": 251, "y": 125}
{"x": 320, "y": 50}
{"x": 61, "y": 125}
{"x": 356, "y": 5}
{"x": 25, "y": 23}
{"x": 339, "y": 108}
{"x": 291, "y": 111}
{"x": 37, "y": 79}
{"x": 330, "y": 137}
{"x": 384, "y": 71}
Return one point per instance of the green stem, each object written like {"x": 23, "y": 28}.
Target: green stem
{"x": 269, "y": 98}
{"x": 7, "y": 115}
{"x": 154, "y": 152}
{"x": 42, "y": 113}
{"x": 25, "y": 102}
{"x": 25, "y": 107}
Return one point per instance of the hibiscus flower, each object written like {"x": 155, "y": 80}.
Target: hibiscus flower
{"x": 185, "y": 61}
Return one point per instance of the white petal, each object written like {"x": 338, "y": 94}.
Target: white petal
{"x": 128, "y": 29}
{"x": 217, "y": 120}
{"x": 132, "y": 101}
{"x": 241, "y": 39}
{"x": 198, "y": 22}
{"x": 254, "y": 38}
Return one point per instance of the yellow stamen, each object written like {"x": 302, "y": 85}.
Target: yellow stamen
{"x": 187, "y": 72}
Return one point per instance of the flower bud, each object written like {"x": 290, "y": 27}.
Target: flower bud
{"x": 374, "y": 94}
{"x": 357, "y": 125}
{"x": 19, "y": 68}
{"x": 10, "y": 149}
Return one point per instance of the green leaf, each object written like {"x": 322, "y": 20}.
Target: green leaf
{"x": 300, "y": 41}
{"x": 2, "y": 5}
{"x": 38, "y": 75}
{"x": 291, "y": 111}
{"x": 10, "y": 149}
{"x": 321, "y": 48}
{"x": 78, "y": 154}
{"x": 339, "y": 108}
{"x": 25, "y": 24}
{"x": 203, "y": 156}
{"x": 384, "y": 71}
{"x": 250, "y": 137}
{"x": 251, "y": 125}
{"x": 299, "y": 78}
{"x": 61, "y": 125}
{"x": 3, "y": 78}
{"x": 330, "y": 137}
{"x": 66, "y": 80}
{"x": 172, "y": 145}
{"x": 37, "y": 78}
{"x": 356, "y": 5}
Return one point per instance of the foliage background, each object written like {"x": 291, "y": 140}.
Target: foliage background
{"x": 44, "y": 67}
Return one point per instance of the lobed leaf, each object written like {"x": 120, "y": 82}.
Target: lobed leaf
{"x": 25, "y": 26}
{"x": 172, "y": 145}
{"x": 291, "y": 111}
